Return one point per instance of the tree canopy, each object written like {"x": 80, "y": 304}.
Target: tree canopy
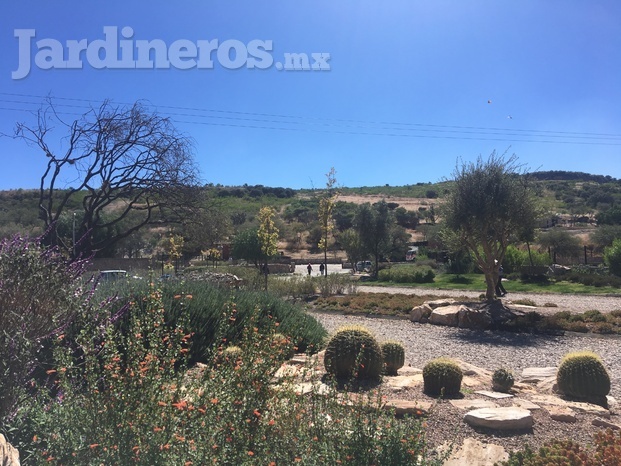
{"x": 489, "y": 202}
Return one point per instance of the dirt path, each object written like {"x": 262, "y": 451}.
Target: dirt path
{"x": 544, "y": 301}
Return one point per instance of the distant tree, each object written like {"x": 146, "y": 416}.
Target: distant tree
{"x": 326, "y": 207}
{"x": 373, "y": 224}
{"x": 611, "y": 216}
{"x": 352, "y": 245}
{"x": 612, "y": 257}
{"x": 246, "y": 246}
{"x": 605, "y": 235}
{"x": 561, "y": 244}
{"x": 114, "y": 160}
{"x": 268, "y": 237}
{"x": 488, "y": 201}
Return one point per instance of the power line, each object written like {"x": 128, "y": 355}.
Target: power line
{"x": 255, "y": 120}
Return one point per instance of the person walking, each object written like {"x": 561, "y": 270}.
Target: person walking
{"x": 321, "y": 268}
{"x": 310, "y": 269}
{"x": 500, "y": 290}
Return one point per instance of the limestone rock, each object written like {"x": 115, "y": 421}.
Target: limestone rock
{"x": 440, "y": 303}
{"x": 419, "y": 312}
{"x": 474, "y": 453}
{"x": 510, "y": 418}
{"x": 539, "y": 373}
{"x": 587, "y": 408}
{"x": 469, "y": 405}
{"x": 9, "y": 456}
{"x": 597, "y": 422}
{"x": 561, "y": 414}
{"x": 400, "y": 382}
{"x": 410, "y": 408}
{"x": 446, "y": 315}
{"x": 494, "y": 395}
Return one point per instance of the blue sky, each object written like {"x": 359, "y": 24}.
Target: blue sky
{"x": 412, "y": 86}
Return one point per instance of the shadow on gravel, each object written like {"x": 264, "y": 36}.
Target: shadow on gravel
{"x": 503, "y": 338}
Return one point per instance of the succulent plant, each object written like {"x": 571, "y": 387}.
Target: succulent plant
{"x": 353, "y": 352}
{"x": 442, "y": 376}
{"x": 229, "y": 355}
{"x": 502, "y": 380}
{"x": 582, "y": 375}
{"x": 394, "y": 356}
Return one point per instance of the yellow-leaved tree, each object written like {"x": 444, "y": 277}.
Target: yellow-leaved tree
{"x": 268, "y": 237}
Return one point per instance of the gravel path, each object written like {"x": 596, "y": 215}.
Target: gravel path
{"x": 564, "y": 302}
{"x": 486, "y": 349}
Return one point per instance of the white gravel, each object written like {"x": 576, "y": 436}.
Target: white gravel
{"x": 486, "y": 349}
{"x": 564, "y": 302}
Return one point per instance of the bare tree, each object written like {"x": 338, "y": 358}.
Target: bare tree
{"x": 128, "y": 167}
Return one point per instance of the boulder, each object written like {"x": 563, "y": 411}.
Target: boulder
{"x": 509, "y": 418}
{"x": 470, "y": 318}
{"x": 9, "y": 456}
{"x": 418, "y": 313}
{"x": 446, "y": 315}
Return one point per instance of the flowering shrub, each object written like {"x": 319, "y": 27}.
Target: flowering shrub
{"x": 128, "y": 398}
{"x": 40, "y": 293}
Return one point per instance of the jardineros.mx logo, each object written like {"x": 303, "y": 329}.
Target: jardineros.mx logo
{"x": 120, "y": 50}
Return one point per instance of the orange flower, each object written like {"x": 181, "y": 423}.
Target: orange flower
{"x": 250, "y": 453}
{"x": 157, "y": 429}
{"x": 161, "y": 403}
{"x": 180, "y": 404}
{"x": 93, "y": 445}
{"x": 165, "y": 447}
{"x": 214, "y": 401}
{"x": 51, "y": 371}
{"x": 177, "y": 296}
{"x": 188, "y": 296}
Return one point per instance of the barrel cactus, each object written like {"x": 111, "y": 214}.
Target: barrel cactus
{"x": 230, "y": 355}
{"x": 502, "y": 380}
{"x": 442, "y": 376}
{"x": 394, "y": 356}
{"x": 582, "y": 375}
{"x": 353, "y": 352}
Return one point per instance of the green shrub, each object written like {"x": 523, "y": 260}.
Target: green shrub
{"x": 612, "y": 257}
{"x": 41, "y": 292}
{"x": 407, "y": 274}
{"x": 582, "y": 375}
{"x": 594, "y": 316}
{"x": 203, "y": 305}
{"x": 282, "y": 346}
{"x": 353, "y": 352}
{"x": 502, "y": 380}
{"x": 142, "y": 406}
{"x": 335, "y": 284}
{"x": 231, "y": 355}
{"x": 394, "y": 356}
{"x": 442, "y": 376}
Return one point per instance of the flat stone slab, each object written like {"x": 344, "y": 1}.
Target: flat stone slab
{"x": 409, "y": 408}
{"x": 538, "y": 373}
{"x": 510, "y": 418}
{"x": 597, "y": 422}
{"x": 474, "y": 453}
{"x": 494, "y": 395}
{"x": 526, "y": 404}
{"x": 400, "y": 382}
{"x": 575, "y": 405}
{"x": 469, "y": 405}
{"x": 309, "y": 387}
